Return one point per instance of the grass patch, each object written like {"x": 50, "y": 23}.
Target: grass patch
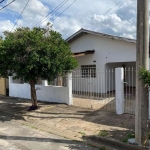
{"x": 103, "y": 133}
{"x": 129, "y": 136}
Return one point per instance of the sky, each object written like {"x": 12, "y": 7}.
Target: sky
{"x": 116, "y": 17}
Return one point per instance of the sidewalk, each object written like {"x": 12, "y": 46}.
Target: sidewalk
{"x": 81, "y": 124}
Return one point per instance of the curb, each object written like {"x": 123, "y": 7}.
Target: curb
{"x": 114, "y": 144}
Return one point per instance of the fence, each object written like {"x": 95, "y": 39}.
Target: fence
{"x": 129, "y": 90}
{"x": 97, "y": 89}
{"x": 111, "y": 90}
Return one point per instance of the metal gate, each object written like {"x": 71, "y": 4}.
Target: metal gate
{"x": 94, "y": 89}
{"x": 129, "y": 90}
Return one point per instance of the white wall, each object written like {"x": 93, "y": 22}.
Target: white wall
{"x": 106, "y": 50}
{"x": 45, "y": 92}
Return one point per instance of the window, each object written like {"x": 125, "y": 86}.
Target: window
{"x": 88, "y": 71}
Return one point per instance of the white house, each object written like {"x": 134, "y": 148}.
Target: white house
{"x": 98, "y": 55}
{"x": 96, "y": 52}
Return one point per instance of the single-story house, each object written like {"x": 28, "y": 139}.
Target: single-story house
{"x": 96, "y": 51}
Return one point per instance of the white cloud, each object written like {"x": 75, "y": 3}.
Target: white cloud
{"x": 110, "y": 24}
{"x": 34, "y": 12}
{"x": 116, "y": 17}
{"x": 5, "y": 26}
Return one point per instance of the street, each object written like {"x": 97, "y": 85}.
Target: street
{"x": 14, "y": 136}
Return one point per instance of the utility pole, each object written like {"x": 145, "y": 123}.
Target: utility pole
{"x": 142, "y": 60}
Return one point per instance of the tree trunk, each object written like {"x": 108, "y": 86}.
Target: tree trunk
{"x": 33, "y": 95}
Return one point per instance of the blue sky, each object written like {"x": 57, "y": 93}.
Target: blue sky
{"x": 117, "y": 17}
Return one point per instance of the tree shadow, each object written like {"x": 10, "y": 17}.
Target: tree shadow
{"x": 111, "y": 119}
{"x": 16, "y": 108}
{"x": 120, "y": 142}
{"x": 12, "y": 108}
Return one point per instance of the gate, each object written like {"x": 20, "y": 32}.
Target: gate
{"x": 94, "y": 89}
{"x": 129, "y": 90}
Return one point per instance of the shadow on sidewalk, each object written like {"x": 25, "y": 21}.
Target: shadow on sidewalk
{"x": 12, "y": 108}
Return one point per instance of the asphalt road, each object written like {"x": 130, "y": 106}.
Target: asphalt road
{"x": 14, "y": 136}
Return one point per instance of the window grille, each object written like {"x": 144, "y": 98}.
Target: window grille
{"x": 88, "y": 71}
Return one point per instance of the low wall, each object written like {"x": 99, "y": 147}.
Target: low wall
{"x": 58, "y": 94}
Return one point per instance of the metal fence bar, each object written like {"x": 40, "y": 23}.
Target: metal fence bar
{"x": 106, "y": 88}
{"x": 98, "y": 85}
{"x": 101, "y": 72}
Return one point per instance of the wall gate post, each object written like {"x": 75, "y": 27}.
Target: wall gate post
{"x": 119, "y": 79}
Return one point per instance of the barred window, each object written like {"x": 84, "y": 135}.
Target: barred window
{"x": 88, "y": 71}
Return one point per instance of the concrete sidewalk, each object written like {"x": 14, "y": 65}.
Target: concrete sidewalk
{"x": 14, "y": 136}
{"x": 71, "y": 122}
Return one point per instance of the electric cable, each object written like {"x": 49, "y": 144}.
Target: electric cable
{"x": 2, "y": 1}
{"x": 53, "y": 11}
{"x": 20, "y": 14}
{"x": 7, "y": 5}
{"x": 64, "y": 10}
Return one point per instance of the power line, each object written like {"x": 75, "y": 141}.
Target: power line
{"x": 20, "y": 14}
{"x": 35, "y": 16}
{"x": 7, "y": 5}
{"x": 53, "y": 11}
{"x": 2, "y": 1}
{"x": 64, "y": 10}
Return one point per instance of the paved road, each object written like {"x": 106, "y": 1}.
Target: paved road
{"x": 14, "y": 136}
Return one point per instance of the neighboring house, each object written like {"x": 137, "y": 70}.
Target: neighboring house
{"x": 96, "y": 51}
{"x": 2, "y": 86}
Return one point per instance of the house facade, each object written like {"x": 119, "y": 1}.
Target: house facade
{"x": 97, "y": 52}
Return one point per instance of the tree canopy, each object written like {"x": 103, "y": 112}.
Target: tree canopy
{"x": 35, "y": 53}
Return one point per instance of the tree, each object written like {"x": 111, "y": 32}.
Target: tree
{"x": 36, "y": 53}
{"x": 4, "y": 71}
